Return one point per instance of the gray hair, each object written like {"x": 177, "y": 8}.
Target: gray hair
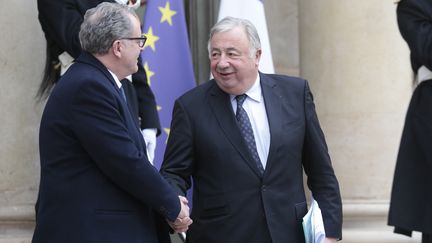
{"x": 229, "y": 23}
{"x": 103, "y": 25}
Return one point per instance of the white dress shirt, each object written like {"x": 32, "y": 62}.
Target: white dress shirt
{"x": 255, "y": 108}
{"x": 117, "y": 81}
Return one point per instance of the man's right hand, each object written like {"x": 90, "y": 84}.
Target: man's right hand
{"x": 181, "y": 224}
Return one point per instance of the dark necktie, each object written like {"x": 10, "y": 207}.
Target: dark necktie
{"x": 122, "y": 92}
{"x": 246, "y": 131}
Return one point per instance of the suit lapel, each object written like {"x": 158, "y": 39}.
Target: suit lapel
{"x": 272, "y": 101}
{"x": 221, "y": 106}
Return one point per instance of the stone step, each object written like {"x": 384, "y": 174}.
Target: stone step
{"x": 377, "y": 236}
{"x": 363, "y": 223}
{"x": 349, "y": 236}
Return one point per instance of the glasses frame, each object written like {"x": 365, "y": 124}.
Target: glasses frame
{"x": 142, "y": 40}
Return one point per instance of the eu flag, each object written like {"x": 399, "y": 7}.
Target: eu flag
{"x": 167, "y": 60}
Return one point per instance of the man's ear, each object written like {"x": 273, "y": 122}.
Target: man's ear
{"x": 116, "y": 48}
{"x": 258, "y": 56}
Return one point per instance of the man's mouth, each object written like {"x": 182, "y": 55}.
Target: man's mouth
{"x": 225, "y": 74}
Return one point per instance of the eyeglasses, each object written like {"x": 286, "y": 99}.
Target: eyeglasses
{"x": 140, "y": 40}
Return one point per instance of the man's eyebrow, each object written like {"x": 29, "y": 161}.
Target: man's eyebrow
{"x": 227, "y": 49}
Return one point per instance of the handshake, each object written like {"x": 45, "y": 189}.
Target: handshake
{"x": 181, "y": 224}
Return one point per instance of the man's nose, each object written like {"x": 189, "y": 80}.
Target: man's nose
{"x": 223, "y": 62}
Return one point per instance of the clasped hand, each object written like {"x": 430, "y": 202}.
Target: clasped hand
{"x": 181, "y": 224}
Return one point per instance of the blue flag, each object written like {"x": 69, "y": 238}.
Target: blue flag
{"x": 167, "y": 60}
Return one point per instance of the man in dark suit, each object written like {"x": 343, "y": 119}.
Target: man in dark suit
{"x": 60, "y": 21}
{"x": 97, "y": 184}
{"x": 246, "y": 154}
{"x": 411, "y": 198}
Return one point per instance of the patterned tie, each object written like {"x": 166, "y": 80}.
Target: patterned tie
{"x": 246, "y": 130}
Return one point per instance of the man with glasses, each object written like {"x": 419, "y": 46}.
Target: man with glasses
{"x": 60, "y": 20}
{"x": 96, "y": 183}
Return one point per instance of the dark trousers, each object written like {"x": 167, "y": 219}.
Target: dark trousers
{"x": 426, "y": 238}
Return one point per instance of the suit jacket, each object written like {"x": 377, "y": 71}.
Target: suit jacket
{"x": 61, "y": 21}
{"x": 232, "y": 202}
{"x": 411, "y": 200}
{"x": 96, "y": 183}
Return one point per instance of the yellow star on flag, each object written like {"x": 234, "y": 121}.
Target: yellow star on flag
{"x": 149, "y": 73}
{"x": 151, "y": 39}
{"x": 167, "y": 131}
{"x": 167, "y": 13}
{"x": 158, "y": 108}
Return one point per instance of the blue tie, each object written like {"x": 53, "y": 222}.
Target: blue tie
{"x": 122, "y": 92}
{"x": 246, "y": 131}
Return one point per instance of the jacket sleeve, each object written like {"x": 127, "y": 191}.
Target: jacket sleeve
{"x": 177, "y": 166}
{"x": 321, "y": 178}
{"x": 415, "y": 24}
{"x": 147, "y": 111}
{"x": 100, "y": 127}
{"x": 61, "y": 21}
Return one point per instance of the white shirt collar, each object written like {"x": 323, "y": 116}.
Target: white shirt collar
{"x": 122, "y": 1}
{"x": 117, "y": 81}
{"x": 254, "y": 92}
